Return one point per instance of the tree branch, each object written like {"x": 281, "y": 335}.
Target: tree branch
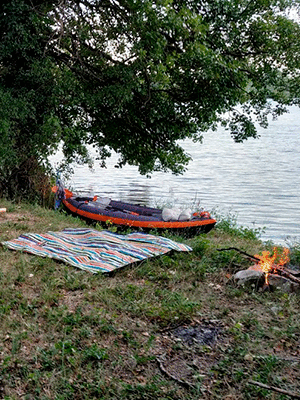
{"x": 242, "y": 252}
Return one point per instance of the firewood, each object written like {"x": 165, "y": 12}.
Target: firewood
{"x": 286, "y": 274}
{"x": 294, "y": 272}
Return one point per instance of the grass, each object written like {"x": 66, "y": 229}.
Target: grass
{"x": 68, "y": 334}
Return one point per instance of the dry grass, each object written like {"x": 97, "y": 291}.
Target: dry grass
{"x": 68, "y": 334}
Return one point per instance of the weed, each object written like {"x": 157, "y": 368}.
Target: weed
{"x": 94, "y": 354}
{"x": 228, "y": 224}
{"x": 295, "y": 254}
{"x": 200, "y": 246}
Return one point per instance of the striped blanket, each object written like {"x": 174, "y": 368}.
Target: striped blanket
{"x": 95, "y": 251}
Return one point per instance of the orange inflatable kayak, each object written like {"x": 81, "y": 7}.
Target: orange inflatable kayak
{"x": 108, "y": 211}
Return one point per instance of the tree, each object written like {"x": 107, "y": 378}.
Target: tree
{"x": 137, "y": 76}
{"x": 27, "y": 96}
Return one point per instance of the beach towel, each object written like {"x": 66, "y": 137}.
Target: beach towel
{"x": 95, "y": 251}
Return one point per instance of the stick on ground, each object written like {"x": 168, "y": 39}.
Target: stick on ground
{"x": 276, "y": 389}
{"x": 164, "y": 370}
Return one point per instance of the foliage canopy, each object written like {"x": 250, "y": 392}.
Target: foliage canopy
{"x": 137, "y": 76}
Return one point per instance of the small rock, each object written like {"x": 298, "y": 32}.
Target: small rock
{"x": 249, "y": 276}
{"x": 276, "y": 310}
{"x": 248, "y": 357}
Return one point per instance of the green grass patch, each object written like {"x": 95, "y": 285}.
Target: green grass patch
{"x": 68, "y": 334}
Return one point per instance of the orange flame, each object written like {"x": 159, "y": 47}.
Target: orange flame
{"x": 266, "y": 262}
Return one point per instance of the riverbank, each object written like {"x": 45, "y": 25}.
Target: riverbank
{"x": 174, "y": 327}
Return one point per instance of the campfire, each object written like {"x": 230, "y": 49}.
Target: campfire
{"x": 271, "y": 264}
{"x": 273, "y": 267}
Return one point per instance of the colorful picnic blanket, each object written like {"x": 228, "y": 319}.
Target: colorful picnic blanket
{"x": 95, "y": 251}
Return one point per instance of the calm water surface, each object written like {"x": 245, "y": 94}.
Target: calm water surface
{"x": 258, "y": 181}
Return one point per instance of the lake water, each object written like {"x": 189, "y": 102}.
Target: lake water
{"x": 257, "y": 181}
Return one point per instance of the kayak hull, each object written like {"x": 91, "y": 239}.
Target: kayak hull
{"x": 134, "y": 216}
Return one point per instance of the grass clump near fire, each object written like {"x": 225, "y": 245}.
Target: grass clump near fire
{"x": 68, "y": 334}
